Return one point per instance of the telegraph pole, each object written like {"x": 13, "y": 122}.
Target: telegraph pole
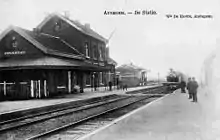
{"x": 107, "y": 45}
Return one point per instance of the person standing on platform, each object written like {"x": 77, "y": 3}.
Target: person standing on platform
{"x": 117, "y": 83}
{"x": 188, "y": 86}
{"x": 183, "y": 86}
{"x": 95, "y": 85}
{"x": 105, "y": 84}
{"x": 126, "y": 87}
{"x": 110, "y": 85}
{"x": 194, "y": 88}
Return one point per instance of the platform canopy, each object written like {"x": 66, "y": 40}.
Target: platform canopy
{"x": 23, "y": 49}
{"x": 48, "y": 63}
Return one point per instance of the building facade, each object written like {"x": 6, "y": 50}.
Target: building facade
{"x": 55, "y": 57}
{"x": 132, "y": 75}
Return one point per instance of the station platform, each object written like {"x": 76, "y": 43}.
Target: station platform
{"x": 13, "y": 106}
{"x": 172, "y": 117}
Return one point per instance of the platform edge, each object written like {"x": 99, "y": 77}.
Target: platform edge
{"x": 123, "y": 117}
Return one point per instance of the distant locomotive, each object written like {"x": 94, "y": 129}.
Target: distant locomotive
{"x": 172, "y": 81}
{"x": 172, "y": 78}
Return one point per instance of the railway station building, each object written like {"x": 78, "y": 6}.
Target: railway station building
{"x": 53, "y": 58}
{"x": 131, "y": 75}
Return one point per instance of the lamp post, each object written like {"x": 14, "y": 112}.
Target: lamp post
{"x": 93, "y": 80}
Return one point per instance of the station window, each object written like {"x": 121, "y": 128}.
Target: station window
{"x": 101, "y": 77}
{"x": 103, "y": 51}
{"x": 87, "y": 49}
{"x": 100, "y": 53}
{"x": 95, "y": 52}
{"x": 14, "y": 42}
{"x": 61, "y": 79}
{"x": 88, "y": 79}
{"x": 57, "y": 26}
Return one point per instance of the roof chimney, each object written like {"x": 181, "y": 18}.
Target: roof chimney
{"x": 67, "y": 14}
{"x": 87, "y": 25}
{"x": 36, "y": 31}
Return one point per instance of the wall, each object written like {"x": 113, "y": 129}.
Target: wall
{"x": 211, "y": 79}
{"x": 23, "y": 46}
{"x": 70, "y": 35}
{"x": 73, "y": 36}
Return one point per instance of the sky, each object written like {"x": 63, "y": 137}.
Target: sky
{"x": 151, "y": 41}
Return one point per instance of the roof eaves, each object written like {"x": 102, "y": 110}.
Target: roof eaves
{"x": 70, "y": 46}
{"x": 54, "y": 52}
{"x": 90, "y": 32}
{"x": 71, "y": 23}
{"x": 45, "y": 20}
{"x": 111, "y": 61}
{"x": 30, "y": 39}
{"x": 6, "y": 31}
{"x": 43, "y": 48}
{"x": 81, "y": 29}
{"x": 23, "y": 34}
{"x": 67, "y": 44}
{"x": 53, "y": 15}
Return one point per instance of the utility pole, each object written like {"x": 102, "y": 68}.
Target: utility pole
{"x": 112, "y": 33}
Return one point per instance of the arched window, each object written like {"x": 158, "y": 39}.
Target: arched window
{"x": 104, "y": 56}
{"x": 101, "y": 78}
{"x": 57, "y": 26}
{"x": 14, "y": 42}
{"x": 100, "y": 53}
{"x": 95, "y": 52}
{"x": 87, "y": 49}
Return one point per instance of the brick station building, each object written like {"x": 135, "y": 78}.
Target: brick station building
{"x": 53, "y": 58}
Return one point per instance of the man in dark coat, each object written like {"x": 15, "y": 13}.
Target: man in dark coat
{"x": 183, "y": 86}
{"x": 117, "y": 83}
{"x": 194, "y": 88}
{"x": 110, "y": 85}
{"x": 188, "y": 86}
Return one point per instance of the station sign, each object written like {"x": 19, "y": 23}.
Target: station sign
{"x": 88, "y": 61}
{"x": 15, "y": 53}
{"x": 101, "y": 63}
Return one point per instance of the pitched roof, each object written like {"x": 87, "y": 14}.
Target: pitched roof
{"x": 82, "y": 28}
{"x": 47, "y": 61}
{"x": 53, "y": 43}
{"x": 111, "y": 61}
{"x": 46, "y": 43}
{"x": 130, "y": 66}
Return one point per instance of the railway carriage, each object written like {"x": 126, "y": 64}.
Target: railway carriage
{"x": 173, "y": 81}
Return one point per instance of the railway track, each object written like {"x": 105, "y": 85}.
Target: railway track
{"x": 13, "y": 118}
{"x": 35, "y": 118}
{"x": 43, "y": 124}
{"x": 17, "y": 125}
{"x": 76, "y": 131}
